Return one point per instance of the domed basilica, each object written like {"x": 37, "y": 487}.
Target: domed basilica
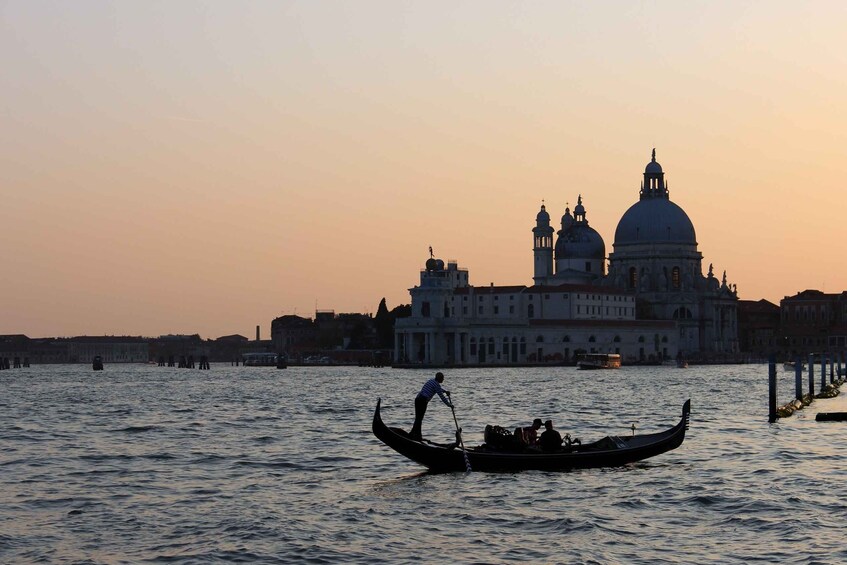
{"x": 652, "y": 304}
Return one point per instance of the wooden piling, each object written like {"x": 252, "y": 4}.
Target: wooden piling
{"x": 811, "y": 376}
{"x": 831, "y": 368}
{"x": 798, "y": 378}
{"x": 772, "y": 389}
{"x": 823, "y": 372}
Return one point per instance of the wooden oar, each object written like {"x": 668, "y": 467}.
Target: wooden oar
{"x": 459, "y": 434}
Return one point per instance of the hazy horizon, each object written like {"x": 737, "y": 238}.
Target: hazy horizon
{"x": 203, "y": 167}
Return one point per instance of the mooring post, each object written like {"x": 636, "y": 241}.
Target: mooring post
{"x": 831, "y": 368}
{"x": 772, "y": 389}
{"x": 812, "y": 376}
{"x": 798, "y": 378}
{"x": 823, "y": 372}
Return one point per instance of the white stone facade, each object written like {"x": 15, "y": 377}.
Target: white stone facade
{"x": 653, "y": 304}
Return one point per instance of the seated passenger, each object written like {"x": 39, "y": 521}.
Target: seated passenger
{"x": 550, "y": 439}
{"x": 530, "y": 433}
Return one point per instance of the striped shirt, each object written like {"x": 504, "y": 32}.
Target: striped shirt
{"x": 431, "y": 388}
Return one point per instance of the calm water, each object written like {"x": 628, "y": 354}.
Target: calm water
{"x": 148, "y": 464}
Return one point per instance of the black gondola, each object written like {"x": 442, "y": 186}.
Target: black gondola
{"x": 611, "y": 451}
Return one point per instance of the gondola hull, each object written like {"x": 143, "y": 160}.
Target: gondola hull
{"x": 608, "y": 452}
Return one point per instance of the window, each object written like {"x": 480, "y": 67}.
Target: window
{"x": 473, "y": 346}
{"x": 539, "y": 339}
{"x": 633, "y": 277}
{"x": 464, "y": 310}
{"x": 511, "y": 309}
{"x": 496, "y": 309}
{"x": 425, "y": 309}
{"x": 592, "y": 339}
{"x": 530, "y": 310}
{"x": 588, "y": 266}
{"x": 565, "y": 296}
{"x": 566, "y": 339}
{"x": 617, "y": 339}
{"x": 491, "y": 346}
{"x": 480, "y": 310}
{"x": 675, "y": 277}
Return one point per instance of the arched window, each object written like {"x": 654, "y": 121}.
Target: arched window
{"x": 473, "y": 346}
{"x": 592, "y": 339}
{"x": 566, "y": 339}
{"x": 675, "y": 277}
{"x": 682, "y": 313}
{"x": 641, "y": 339}
{"x": 530, "y": 311}
{"x": 491, "y": 346}
{"x": 633, "y": 277}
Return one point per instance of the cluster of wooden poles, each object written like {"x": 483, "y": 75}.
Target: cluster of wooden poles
{"x": 184, "y": 362}
{"x": 14, "y": 363}
{"x": 830, "y": 380}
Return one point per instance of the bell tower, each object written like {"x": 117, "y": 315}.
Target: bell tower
{"x": 542, "y": 237}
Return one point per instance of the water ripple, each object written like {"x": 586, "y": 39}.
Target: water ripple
{"x": 158, "y": 465}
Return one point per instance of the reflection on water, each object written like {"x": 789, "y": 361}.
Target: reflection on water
{"x": 261, "y": 465}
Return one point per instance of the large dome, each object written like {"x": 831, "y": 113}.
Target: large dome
{"x": 655, "y": 220}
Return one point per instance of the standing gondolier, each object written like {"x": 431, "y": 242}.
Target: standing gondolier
{"x": 430, "y": 389}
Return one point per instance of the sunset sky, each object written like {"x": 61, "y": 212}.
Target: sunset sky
{"x": 203, "y": 167}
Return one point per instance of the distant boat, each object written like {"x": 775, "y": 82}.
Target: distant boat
{"x": 591, "y": 361}
{"x": 259, "y": 359}
{"x": 681, "y": 363}
{"x": 97, "y": 363}
{"x": 791, "y": 366}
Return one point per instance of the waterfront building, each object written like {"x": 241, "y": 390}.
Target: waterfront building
{"x": 111, "y": 349}
{"x": 812, "y": 322}
{"x": 653, "y": 303}
{"x": 758, "y": 327}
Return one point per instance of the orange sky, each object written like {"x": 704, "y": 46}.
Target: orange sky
{"x": 182, "y": 167}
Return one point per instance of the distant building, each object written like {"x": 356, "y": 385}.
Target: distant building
{"x": 112, "y": 349}
{"x": 291, "y": 333}
{"x": 758, "y": 327}
{"x": 813, "y": 322}
{"x": 179, "y": 345}
{"x": 654, "y": 302}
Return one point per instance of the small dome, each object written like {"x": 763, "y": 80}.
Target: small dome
{"x": 439, "y": 265}
{"x": 580, "y": 241}
{"x": 567, "y": 219}
{"x": 542, "y": 216}
{"x": 431, "y": 264}
{"x": 653, "y": 167}
{"x": 580, "y": 209}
